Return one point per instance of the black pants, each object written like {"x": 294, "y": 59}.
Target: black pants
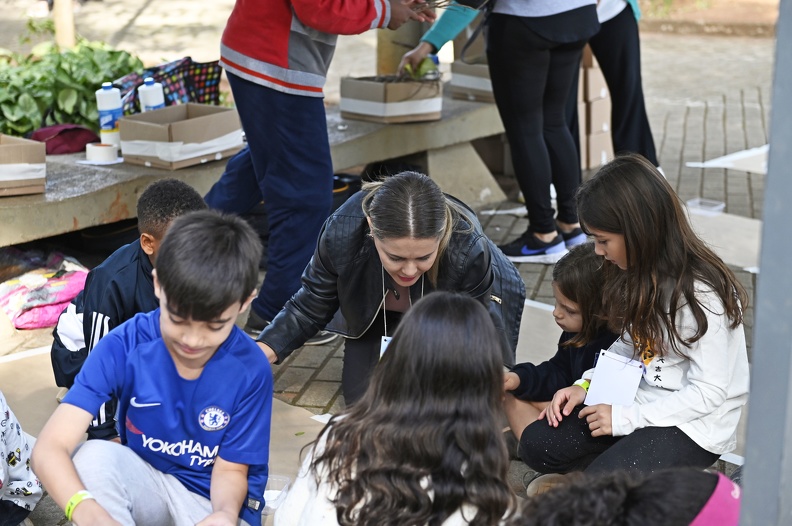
{"x": 11, "y": 514}
{"x": 617, "y": 47}
{"x": 570, "y": 447}
{"x": 531, "y": 80}
{"x": 362, "y": 355}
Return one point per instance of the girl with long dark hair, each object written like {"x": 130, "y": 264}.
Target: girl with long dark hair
{"x": 423, "y": 445}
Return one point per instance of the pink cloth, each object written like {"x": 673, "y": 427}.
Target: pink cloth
{"x": 35, "y": 299}
{"x": 723, "y": 506}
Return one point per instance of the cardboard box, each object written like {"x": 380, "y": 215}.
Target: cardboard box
{"x": 178, "y": 136}
{"x": 596, "y": 88}
{"x": 23, "y": 166}
{"x": 588, "y": 60}
{"x": 600, "y": 149}
{"x": 477, "y": 51}
{"x": 581, "y": 85}
{"x": 598, "y": 117}
{"x": 390, "y": 100}
{"x": 471, "y": 82}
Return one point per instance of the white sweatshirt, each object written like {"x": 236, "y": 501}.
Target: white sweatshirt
{"x": 702, "y": 394}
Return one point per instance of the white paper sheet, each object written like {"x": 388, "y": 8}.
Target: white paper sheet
{"x": 615, "y": 380}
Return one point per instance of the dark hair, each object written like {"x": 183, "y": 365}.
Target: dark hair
{"x": 578, "y": 275}
{"x": 664, "y": 498}
{"x": 163, "y": 201}
{"x": 206, "y": 263}
{"x": 429, "y": 421}
{"x": 411, "y": 205}
{"x": 628, "y": 196}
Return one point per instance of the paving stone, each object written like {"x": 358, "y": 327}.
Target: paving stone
{"x": 293, "y": 379}
{"x": 319, "y": 394}
{"x": 331, "y": 371}
{"x": 314, "y": 355}
{"x": 338, "y": 405}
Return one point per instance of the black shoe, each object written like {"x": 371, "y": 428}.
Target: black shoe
{"x": 530, "y": 249}
{"x": 255, "y": 324}
{"x": 575, "y": 237}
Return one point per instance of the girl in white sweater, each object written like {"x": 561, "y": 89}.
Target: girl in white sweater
{"x": 423, "y": 445}
{"x": 679, "y": 310}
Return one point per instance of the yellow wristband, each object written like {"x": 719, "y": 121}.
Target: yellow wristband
{"x": 75, "y": 500}
{"x": 584, "y": 384}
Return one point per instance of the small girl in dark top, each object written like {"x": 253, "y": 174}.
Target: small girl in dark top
{"x": 577, "y": 288}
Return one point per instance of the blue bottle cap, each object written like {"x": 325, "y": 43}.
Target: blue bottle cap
{"x": 107, "y": 85}
{"x": 148, "y": 81}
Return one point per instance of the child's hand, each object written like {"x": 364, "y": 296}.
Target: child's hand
{"x": 89, "y": 512}
{"x": 414, "y": 57}
{"x": 564, "y": 401}
{"x": 510, "y": 381}
{"x": 218, "y": 518}
{"x": 599, "y": 419}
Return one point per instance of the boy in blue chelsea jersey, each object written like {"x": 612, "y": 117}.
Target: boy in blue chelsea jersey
{"x": 194, "y": 393}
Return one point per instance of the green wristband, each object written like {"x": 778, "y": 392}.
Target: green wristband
{"x": 585, "y": 384}
{"x": 75, "y": 500}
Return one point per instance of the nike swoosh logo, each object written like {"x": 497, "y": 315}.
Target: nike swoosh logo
{"x": 134, "y": 403}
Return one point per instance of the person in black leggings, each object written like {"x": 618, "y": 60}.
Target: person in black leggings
{"x": 643, "y": 451}
{"x": 533, "y": 62}
{"x": 618, "y": 51}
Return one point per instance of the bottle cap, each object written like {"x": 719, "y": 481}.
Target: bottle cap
{"x": 148, "y": 81}
{"x": 107, "y": 85}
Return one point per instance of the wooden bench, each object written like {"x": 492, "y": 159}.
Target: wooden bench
{"x": 80, "y": 196}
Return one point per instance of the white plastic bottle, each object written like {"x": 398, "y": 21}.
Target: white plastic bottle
{"x": 151, "y": 95}
{"x": 108, "y": 101}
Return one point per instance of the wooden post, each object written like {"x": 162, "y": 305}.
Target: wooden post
{"x": 63, "y": 15}
{"x": 392, "y": 45}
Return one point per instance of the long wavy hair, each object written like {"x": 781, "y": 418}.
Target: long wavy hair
{"x": 578, "y": 275}
{"x": 665, "y": 258}
{"x": 411, "y": 205}
{"x": 425, "y": 438}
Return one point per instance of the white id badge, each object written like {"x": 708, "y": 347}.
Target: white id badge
{"x": 615, "y": 380}
{"x": 384, "y": 344}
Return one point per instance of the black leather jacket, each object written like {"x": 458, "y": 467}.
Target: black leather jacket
{"x": 342, "y": 285}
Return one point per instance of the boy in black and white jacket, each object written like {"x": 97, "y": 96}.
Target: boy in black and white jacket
{"x": 117, "y": 289}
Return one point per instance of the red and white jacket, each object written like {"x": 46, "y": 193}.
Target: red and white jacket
{"x": 287, "y": 45}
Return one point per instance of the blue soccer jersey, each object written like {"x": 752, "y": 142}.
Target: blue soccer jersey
{"x": 179, "y": 426}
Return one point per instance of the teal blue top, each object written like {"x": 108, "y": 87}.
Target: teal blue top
{"x": 456, "y": 18}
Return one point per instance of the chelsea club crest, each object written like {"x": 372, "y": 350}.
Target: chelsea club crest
{"x": 213, "y": 418}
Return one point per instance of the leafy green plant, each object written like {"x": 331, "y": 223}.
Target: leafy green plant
{"x": 52, "y": 86}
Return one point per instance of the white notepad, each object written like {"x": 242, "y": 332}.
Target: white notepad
{"x": 615, "y": 380}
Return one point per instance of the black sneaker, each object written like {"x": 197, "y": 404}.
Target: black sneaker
{"x": 575, "y": 237}
{"x": 255, "y": 324}
{"x": 530, "y": 249}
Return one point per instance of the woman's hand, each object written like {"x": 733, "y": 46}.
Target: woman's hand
{"x": 510, "y": 381}
{"x": 599, "y": 418}
{"x": 268, "y": 352}
{"x": 414, "y": 57}
{"x": 562, "y": 404}
{"x": 404, "y": 10}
